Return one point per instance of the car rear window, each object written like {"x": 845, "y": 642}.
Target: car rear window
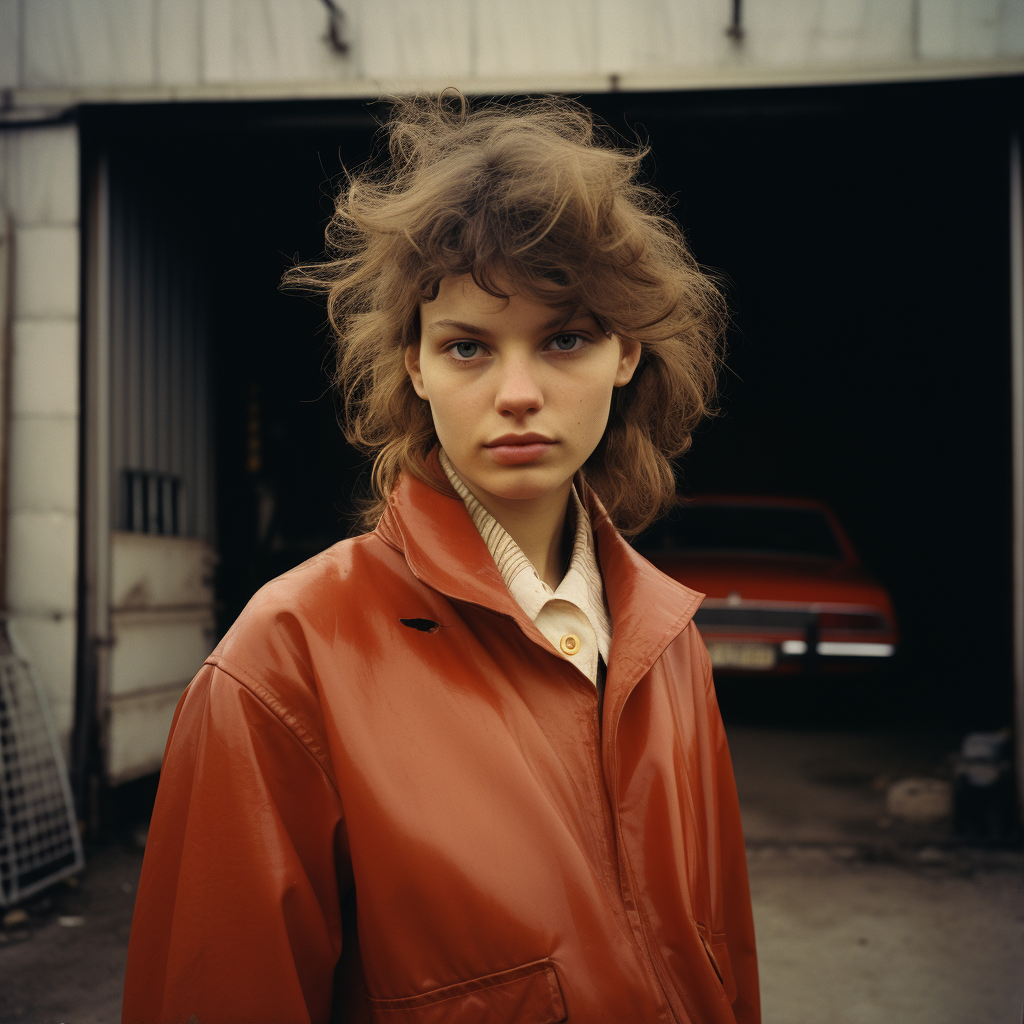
{"x": 761, "y": 529}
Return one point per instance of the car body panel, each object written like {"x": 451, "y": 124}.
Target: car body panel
{"x": 780, "y": 613}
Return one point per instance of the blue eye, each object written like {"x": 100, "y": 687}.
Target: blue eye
{"x": 566, "y": 342}
{"x": 465, "y": 349}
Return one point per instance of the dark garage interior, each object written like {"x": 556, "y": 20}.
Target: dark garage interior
{"x": 861, "y": 233}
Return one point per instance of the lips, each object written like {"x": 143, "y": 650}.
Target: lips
{"x": 518, "y": 449}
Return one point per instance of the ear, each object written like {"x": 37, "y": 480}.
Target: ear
{"x": 412, "y": 365}
{"x": 629, "y": 357}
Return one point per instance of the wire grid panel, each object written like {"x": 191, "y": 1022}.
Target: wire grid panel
{"x": 39, "y": 841}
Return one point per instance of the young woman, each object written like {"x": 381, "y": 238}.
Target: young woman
{"x": 468, "y": 766}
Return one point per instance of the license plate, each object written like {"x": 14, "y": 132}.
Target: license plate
{"x": 758, "y": 657}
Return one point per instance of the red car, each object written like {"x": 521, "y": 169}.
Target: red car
{"x": 785, "y": 589}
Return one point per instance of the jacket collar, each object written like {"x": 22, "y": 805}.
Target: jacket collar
{"x": 445, "y": 551}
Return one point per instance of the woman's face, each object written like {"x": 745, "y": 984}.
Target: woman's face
{"x": 519, "y": 395}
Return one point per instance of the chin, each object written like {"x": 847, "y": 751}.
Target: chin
{"x": 523, "y": 484}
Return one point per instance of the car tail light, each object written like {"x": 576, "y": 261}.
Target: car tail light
{"x": 850, "y": 620}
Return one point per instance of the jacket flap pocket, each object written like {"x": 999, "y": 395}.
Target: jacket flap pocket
{"x": 718, "y": 951}
{"x": 529, "y": 994}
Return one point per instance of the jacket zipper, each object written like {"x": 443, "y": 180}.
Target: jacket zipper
{"x": 624, "y": 866}
{"x": 623, "y": 861}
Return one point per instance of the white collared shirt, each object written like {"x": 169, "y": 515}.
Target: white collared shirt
{"x": 573, "y": 617}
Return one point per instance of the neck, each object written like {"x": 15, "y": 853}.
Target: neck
{"x": 537, "y": 525}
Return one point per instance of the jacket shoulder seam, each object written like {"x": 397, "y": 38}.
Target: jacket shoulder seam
{"x": 273, "y": 703}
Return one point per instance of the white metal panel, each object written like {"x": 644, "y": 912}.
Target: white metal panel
{"x": 162, "y": 629}
{"x": 150, "y": 571}
{"x": 115, "y": 50}
{"x": 795, "y": 32}
{"x": 138, "y": 732}
{"x": 10, "y": 42}
{"x": 216, "y": 39}
{"x": 966, "y": 28}
{"x": 257, "y": 41}
{"x": 407, "y": 38}
{"x": 652, "y": 34}
{"x": 156, "y": 649}
{"x": 535, "y": 36}
{"x": 178, "y": 56}
{"x": 274, "y": 40}
{"x": 88, "y": 42}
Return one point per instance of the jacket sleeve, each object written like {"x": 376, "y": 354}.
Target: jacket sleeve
{"x": 238, "y": 912}
{"x": 737, "y": 912}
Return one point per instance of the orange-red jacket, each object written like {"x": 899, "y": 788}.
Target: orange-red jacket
{"x": 437, "y": 825}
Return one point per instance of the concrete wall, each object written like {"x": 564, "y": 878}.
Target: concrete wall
{"x": 124, "y": 46}
{"x": 39, "y": 178}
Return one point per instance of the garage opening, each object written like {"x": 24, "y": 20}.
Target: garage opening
{"x": 861, "y": 234}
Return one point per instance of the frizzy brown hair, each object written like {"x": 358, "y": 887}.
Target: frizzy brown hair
{"x": 524, "y": 194}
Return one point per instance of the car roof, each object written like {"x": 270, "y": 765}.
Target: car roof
{"x": 753, "y": 500}
{"x": 850, "y": 555}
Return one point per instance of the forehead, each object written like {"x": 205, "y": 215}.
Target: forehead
{"x": 461, "y": 298}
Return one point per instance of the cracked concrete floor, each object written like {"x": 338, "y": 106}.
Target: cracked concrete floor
{"x": 857, "y": 922}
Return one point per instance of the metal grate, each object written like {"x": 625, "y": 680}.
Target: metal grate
{"x": 151, "y": 503}
{"x": 39, "y": 841}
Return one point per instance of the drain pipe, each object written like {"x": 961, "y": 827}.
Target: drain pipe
{"x": 6, "y": 344}
{"x": 1017, "y": 390}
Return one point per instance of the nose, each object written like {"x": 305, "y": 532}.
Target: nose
{"x": 519, "y": 391}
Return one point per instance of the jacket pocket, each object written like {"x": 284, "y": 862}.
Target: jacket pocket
{"x": 529, "y": 994}
{"x": 718, "y": 953}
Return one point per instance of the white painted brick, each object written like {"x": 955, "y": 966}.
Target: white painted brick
{"x": 10, "y": 35}
{"x": 44, "y": 464}
{"x": 88, "y": 42}
{"x": 44, "y": 369}
{"x": 42, "y": 562}
{"x": 48, "y": 645}
{"x": 419, "y": 38}
{"x": 42, "y": 175}
{"x": 46, "y": 272}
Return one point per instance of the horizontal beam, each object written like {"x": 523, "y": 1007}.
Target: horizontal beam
{"x": 18, "y": 105}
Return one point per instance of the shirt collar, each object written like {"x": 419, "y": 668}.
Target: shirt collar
{"x": 582, "y": 584}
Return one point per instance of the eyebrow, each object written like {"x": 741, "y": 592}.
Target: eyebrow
{"x": 456, "y": 325}
{"x": 461, "y": 325}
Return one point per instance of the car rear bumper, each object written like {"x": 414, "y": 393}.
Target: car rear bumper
{"x": 731, "y": 654}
